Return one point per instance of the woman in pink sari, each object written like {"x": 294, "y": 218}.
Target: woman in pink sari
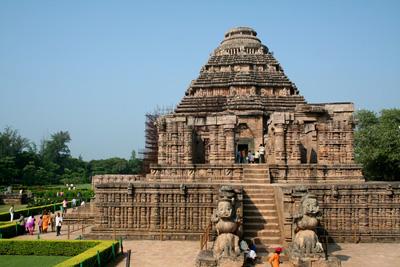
{"x": 30, "y": 224}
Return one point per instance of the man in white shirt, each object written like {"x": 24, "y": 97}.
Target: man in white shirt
{"x": 59, "y": 220}
{"x": 73, "y": 203}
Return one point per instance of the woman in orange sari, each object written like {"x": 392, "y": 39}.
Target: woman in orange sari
{"x": 46, "y": 222}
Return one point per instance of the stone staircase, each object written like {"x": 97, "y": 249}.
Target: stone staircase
{"x": 260, "y": 214}
{"x": 256, "y": 174}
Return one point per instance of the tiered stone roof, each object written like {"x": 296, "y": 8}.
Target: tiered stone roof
{"x": 240, "y": 61}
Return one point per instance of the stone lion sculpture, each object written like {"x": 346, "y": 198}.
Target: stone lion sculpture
{"x": 227, "y": 243}
{"x": 227, "y": 224}
{"x": 306, "y": 242}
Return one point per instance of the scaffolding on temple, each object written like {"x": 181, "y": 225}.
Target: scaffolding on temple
{"x": 150, "y": 152}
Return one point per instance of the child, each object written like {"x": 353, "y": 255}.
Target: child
{"x": 40, "y": 224}
{"x": 274, "y": 258}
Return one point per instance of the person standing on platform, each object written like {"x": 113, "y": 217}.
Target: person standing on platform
{"x": 257, "y": 157}
{"x": 11, "y": 210}
{"x": 64, "y": 205}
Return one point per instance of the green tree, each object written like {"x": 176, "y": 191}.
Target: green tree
{"x": 135, "y": 164}
{"x": 109, "y": 166}
{"x": 13, "y": 150}
{"x": 115, "y": 166}
{"x": 12, "y": 143}
{"x": 377, "y": 144}
{"x": 55, "y": 155}
{"x": 56, "y": 149}
{"x": 8, "y": 170}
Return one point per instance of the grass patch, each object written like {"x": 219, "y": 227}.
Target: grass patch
{"x": 31, "y": 261}
{"x": 84, "y": 253}
{"x": 45, "y": 247}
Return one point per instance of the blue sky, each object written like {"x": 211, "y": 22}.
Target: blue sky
{"x": 94, "y": 68}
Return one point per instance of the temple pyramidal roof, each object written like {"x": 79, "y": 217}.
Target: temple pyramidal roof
{"x": 241, "y": 74}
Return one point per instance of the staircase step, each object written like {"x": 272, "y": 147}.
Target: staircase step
{"x": 261, "y": 219}
{"x": 262, "y": 242}
{"x": 255, "y": 176}
{"x": 259, "y": 201}
{"x": 259, "y": 196}
{"x": 259, "y": 206}
{"x": 255, "y": 172}
{"x": 257, "y": 181}
{"x": 259, "y": 188}
{"x": 257, "y": 212}
{"x": 262, "y": 233}
{"x": 260, "y": 226}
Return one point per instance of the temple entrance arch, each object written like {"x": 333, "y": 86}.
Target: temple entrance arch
{"x": 201, "y": 148}
{"x": 243, "y": 146}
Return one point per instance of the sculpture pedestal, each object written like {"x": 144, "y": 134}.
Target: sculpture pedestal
{"x": 315, "y": 262}
{"x": 205, "y": 258}
{"x": 231, "y": 261}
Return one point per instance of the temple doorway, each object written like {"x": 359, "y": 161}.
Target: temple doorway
{"x": 201, "y": 150}
{"x": 242, "y": 150}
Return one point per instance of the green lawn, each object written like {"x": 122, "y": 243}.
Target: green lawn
{"x": 78, "y": 186}
{"x": 31, "y": 261}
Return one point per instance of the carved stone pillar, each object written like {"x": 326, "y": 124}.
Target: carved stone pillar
{"x": 229, "y": 144}
{"x": 221, "y": 145}
{"x": 188, "y": 145}
{"x": 167, "y": 150}
{"x": 155, "y": 212}
{"x": 174, "y": 143}
{"x": 213, "y": 143}
{"x": 161, "y": 128}
{"x": 280, "y": 153}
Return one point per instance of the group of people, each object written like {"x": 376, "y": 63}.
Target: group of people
{"x": 46, "y": 220}
{"x": 249, "y": 248}
{"x": 249, "y": 157}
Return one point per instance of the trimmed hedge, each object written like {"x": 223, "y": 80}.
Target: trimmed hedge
{"x": 45, "y": 247}
{"x": 84, "y": 252}
{"x": 5, "y": 216}
{"x": 89, "y": 257}
{"x": 11, "y": 229}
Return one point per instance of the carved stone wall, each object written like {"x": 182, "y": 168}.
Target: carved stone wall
{"x": 181, "y": 138}
{"x": 315, "y": 173}
{"x": 368, "y": 212}
{"x": 153, "y": 211}
{"x": 197, "y": 173}
{"x": 318, "y": 134}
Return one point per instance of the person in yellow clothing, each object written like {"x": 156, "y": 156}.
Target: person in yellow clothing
{"x": 46, "y": 222}
{"x": 274, "y": 258}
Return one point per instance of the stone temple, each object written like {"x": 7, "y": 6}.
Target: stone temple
{"x": 243, "y": 103}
